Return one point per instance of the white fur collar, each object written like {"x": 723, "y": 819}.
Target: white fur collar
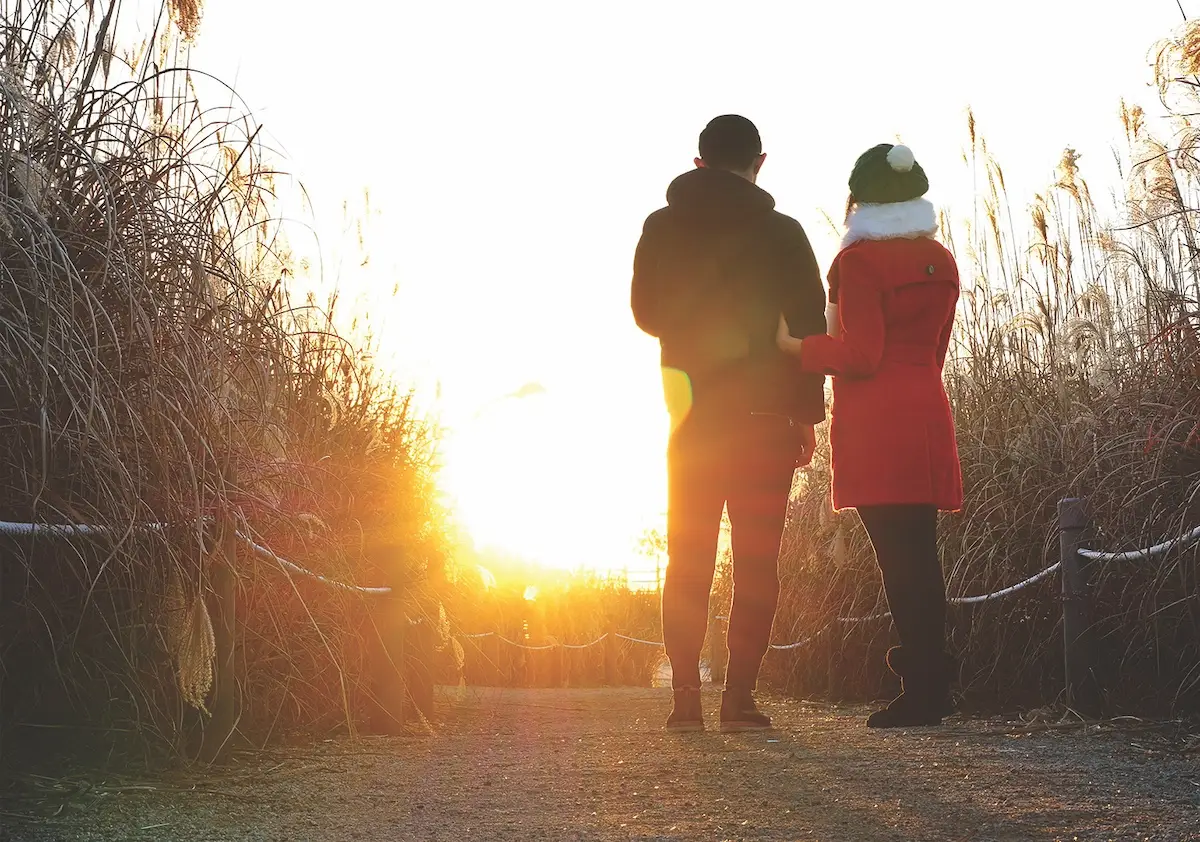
{"x": 892, "y": 221}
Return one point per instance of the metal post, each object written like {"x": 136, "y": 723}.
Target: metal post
{"x": 1077, "y": 655}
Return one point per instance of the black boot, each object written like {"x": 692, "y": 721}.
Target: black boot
{"x": 925, "y": 698}
{"x": 686, "y": 713}
{"x": 740, "y": 713}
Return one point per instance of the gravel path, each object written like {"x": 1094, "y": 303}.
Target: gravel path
{"x": 594, "y": 765}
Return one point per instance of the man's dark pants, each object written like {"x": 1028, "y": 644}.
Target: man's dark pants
{"x": 713, "y": 459}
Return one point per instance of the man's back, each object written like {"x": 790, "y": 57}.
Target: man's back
{"x": 712, "y": 273}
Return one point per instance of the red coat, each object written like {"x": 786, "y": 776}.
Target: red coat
{"x": 892, "y": 432}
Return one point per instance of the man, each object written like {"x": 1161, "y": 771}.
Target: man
{"x": 712, "y": 273}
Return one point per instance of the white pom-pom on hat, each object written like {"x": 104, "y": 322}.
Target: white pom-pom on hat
{"x": 901, "y": 158}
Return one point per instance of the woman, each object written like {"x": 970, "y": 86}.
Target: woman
{"x": 892, "y": 291}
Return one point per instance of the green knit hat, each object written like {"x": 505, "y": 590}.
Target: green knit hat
{"x": 885, "y": 174}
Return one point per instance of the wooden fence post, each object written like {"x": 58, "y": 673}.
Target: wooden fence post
{"x": 4, "y": 647}
{"x": 392, "y": 623}
{"x": 524, "y": 666}
{"x": 610, "y": 657}
{"x": 223, "y": 583}
{"x": 419, "y": 644}
{"x": 494, "y": 676}
{"x": 1077, "y": 654}
{"x": 558, "y": 667}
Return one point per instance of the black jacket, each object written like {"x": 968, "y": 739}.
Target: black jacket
{"x": 712, "y": 272}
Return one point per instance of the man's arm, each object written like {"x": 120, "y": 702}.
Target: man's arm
{"x": 803, "y": 292}
{"x": 804, "y": 308}
{"x": 646, "y": 297}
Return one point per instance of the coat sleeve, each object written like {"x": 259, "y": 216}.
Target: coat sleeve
{"x": 803, "y": 294}
{"x": 647, "y": 297}
{"x": 804, "y": 308}
{"x": 859, "y": 349}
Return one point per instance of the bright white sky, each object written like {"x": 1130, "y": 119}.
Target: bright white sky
{"x": 513, "y": 149}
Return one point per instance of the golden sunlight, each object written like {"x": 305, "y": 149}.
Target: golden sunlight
{"x": 335, "y": 456}
{"x": 541, "y": 476}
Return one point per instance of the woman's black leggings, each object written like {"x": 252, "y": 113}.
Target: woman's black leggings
{"x": 905, "y": 541}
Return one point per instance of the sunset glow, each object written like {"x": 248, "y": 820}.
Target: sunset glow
{"x": 510, "y": 158}
{"x": 532, "y": 476}
{"x": 346, "y": 347}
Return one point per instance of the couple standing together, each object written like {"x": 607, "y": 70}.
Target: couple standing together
{"x": 732, "y": 290}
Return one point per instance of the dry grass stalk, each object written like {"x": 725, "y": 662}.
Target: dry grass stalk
{"x": 153, "y": 368}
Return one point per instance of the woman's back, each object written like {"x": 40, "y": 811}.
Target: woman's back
{"x": 893, "y": 431}
{"x": 917, "y": 284}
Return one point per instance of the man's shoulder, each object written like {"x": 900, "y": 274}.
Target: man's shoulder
{"x": 784, "y": 230}
{"x": 657, "y": 217}
{"x": 782, "y": 224}
{"x": 656, "y": 224}
{"x": 782, "y": 219}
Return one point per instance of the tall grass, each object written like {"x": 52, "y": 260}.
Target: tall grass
{"x": 155, "y": 369}
{"x": 1073, "y": 373}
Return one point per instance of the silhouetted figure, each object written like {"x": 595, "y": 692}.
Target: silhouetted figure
{"x": 712, "y": 272}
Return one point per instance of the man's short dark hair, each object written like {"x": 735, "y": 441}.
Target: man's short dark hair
{"x": 730, "y": 142}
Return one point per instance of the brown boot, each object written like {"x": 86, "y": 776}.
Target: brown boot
{"x": 740, "y": 713}
{"x": 686, "y": 713}
{"x": 925, "y": 697}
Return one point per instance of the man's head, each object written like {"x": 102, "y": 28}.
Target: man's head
{"x": 731, "y": 143}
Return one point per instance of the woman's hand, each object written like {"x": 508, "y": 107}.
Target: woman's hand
{"x": 784, "y": 339}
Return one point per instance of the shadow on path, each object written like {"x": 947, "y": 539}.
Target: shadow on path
{"x": 595, "y": 765}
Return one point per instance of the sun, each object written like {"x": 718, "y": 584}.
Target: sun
{"x": 553, "y": 479}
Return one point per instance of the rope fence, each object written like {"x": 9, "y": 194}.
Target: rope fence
{"x": 869, "y": 618}
{"x": 264, "y": 553}
{"x": 71, "y": 529}
{"x": 1072, "y": 523}
{"x": 1147, "y": 553}
{"x": 67, "y": 530}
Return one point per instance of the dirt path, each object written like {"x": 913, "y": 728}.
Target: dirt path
{"x": 594, "y": 765}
